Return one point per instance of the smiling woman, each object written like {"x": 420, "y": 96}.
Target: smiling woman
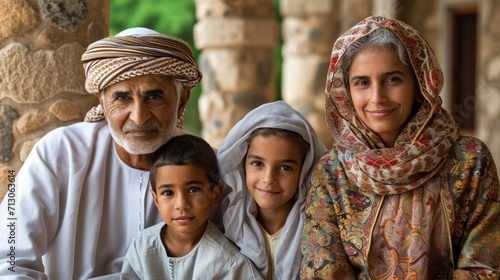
{"x": 383, "y": 95}
{"x": 391, "y": 199}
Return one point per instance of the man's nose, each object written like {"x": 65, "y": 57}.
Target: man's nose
{"x": 140, "y": 113}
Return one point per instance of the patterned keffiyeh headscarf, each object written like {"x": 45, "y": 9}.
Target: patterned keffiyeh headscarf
{"x": 135, "y": 52}
{"x": 423, "y": 144}
{"x": 239, "y": 207}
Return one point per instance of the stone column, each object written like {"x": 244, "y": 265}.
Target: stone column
{"x": 387, "y": 8}
{"x": 42, "y": 78}
{"x": 353, "y": 11}
{"x": 238, "y": 40}
{"x": 488, "y": 81}
{"x": 309, "y": 30}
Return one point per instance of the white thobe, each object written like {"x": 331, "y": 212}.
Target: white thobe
{"x": 77, "y": 208}
{"x": 214, "y": 257}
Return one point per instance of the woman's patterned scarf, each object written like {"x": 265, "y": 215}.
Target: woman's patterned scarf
{"x": 423, "y": 144}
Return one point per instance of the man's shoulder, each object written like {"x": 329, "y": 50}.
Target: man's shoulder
{"x": 79, "y": 128}
{"x": 81, "y": 133}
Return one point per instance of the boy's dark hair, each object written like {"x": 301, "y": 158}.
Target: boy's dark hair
{"x": 283, "y": 133}
{"x": 183, "y": 150}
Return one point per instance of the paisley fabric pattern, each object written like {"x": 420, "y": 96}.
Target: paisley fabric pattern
{"x": 429, "y": 208}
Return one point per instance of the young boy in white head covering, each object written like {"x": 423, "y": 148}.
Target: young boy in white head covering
{"x": 266, "y": 160}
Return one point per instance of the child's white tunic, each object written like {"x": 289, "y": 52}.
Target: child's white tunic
{"x": 214, "y": 257}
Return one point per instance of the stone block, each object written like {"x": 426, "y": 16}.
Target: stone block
{"x": 493, "y": 70}
{"x": 37, "y": 76}
{"x": 66, "y": 15}
{"x": 16, "y": 18}
{"x": 236, "y": 70}
{"x": 65, "y": 110}
{"x": 236, "y": 32}
{"x": 32, "y": 120}
{"x": 309, "y": 7}
{"x": 305, "y": 69}
{"x": 4, "y": 179}
{"x": 7, "y": 116}
{"x": 304, "y": 35}
{"x": 26, "y": 149}
{"x": 241, "y": 9}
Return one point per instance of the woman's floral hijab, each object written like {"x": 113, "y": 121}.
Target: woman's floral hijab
{"x": 422, "y": 145}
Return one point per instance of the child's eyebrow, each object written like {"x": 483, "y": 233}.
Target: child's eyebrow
{"x": 191, "y": 182}
{"x": 283, "y": 160}
{"x": 290, "y": 161}
{"x": 253, "y": 156}
{"x": 194, "y": 182}
{"x": 165, "y": 186}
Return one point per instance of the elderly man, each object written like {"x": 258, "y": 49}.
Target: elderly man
{"x": 82, "y": 194}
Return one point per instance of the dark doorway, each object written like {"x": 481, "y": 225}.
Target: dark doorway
{"x": 463, "y": 88}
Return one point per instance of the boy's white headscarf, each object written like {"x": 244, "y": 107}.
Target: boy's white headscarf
{"x": 240, "y": 208}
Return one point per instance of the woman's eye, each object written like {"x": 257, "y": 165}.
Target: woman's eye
{"x": 361, "y": 83}
{"x": 393, "y": 80}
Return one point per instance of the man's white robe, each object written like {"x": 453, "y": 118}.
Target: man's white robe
{"x": 77, "y": 208}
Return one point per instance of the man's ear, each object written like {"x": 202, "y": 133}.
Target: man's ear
{"x": 99, "y": 97}
{"x": 183, "y": 100}
{"x": 101, "y": 102}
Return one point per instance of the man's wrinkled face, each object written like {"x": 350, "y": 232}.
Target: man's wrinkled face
{"x": 142, "y": 112}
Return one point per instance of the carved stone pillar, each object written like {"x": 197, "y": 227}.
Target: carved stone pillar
{"x": 41, "y": 76}
{"x": 237, "y": 39}
{"x": 488, "y": 81}
{"x": 309, "y": 31}
{"x": 387, "y": 8}
{"x": 353, "y": 11}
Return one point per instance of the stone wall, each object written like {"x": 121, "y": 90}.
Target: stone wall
{"x": 309, "y": 30}
{"x": 238, "y": 40}
{"x": 42, "y": 78}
